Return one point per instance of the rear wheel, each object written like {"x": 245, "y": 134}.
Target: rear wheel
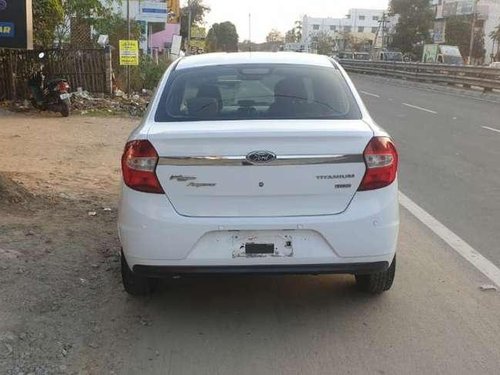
{"x": 135, "y": 284}
{"x": 379, "y": 282}
{"x": 65, "y": 108}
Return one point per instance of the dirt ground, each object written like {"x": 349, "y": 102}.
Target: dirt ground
{"x": 59, "y": 269}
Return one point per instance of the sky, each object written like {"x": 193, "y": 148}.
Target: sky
{"x": 279, "y": 14}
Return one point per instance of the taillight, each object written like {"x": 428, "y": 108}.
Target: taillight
{"x": 63, "y": 86}
{"x": 381, "y": 159}
{"x": 139, "y": 162}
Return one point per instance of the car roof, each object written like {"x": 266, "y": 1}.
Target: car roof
{"x": 236, "y": 58}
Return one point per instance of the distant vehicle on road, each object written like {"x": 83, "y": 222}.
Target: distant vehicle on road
{"x": 390, "y": 56}
{"x": 442, "y": 54}
{"x": 352, "y": 55}
{"x": 258, "y": 163}
{"x": 361, "y": 56}
{"x": 345, "y": 55}
{"x": 294, "y": 47}
{"x": 495, "y": 64}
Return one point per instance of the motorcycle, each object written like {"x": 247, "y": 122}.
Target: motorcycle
{"x": 52, "y": 95}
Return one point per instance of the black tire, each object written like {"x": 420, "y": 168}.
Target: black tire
{"x": 65, "y": 108}
{"x": 379, "y": 282}
{"x": 134, "y": 284}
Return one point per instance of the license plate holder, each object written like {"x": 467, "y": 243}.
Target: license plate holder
{"x": 262, "y": 244}
{"x": 259, "y": 248}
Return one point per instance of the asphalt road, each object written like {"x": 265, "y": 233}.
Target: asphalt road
{"x": 450, "y": 153}
{"x": 435, "y": 320}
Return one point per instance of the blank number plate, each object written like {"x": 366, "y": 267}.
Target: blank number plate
{"x": 259, "y": 248}
{"x": 260, "y": 244}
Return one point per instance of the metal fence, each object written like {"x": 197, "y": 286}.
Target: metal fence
{"x": 466, "y": 76}
{"x": 87, "y": 68}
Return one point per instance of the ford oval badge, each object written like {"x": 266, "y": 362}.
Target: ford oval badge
{"x": 261, "y": 157}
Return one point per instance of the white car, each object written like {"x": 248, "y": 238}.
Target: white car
{"x": 258, "y": 163}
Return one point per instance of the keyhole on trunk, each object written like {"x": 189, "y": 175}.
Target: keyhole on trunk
{"x": 261, "y": 184}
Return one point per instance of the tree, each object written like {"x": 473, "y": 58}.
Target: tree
{"x": 416, "y": 18}
{"x": 357, "y": 44}
{"x": 290, "y": 36}
{"x": 87, "y": 11}
{"x": 323, "y": 43}
{"x": 198, "y": 12}
{"x": 222, "y": 37}
{"x": 115, "y": 26}
{"x": 298, "y": 30}
{"x": 294, "y": 35}
{"x": 47, "y": 15}
{"x": 458, "y": 32}
{"x": 495, "y": 36}
{"x": 274, "y": 36}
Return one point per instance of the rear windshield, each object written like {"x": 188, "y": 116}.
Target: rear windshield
{"x": 273, "y": 91}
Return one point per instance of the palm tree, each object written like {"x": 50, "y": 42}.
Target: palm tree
{"x": 495, "y": 36}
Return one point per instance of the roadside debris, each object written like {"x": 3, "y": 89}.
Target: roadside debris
{"x": 488, "y": 287}
{"x": 92, "y": 213}
{"x": 84, "y": 103}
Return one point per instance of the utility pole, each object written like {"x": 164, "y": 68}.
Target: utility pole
{"x": 250, "y": 32}
{"x": 190, "y": 20}
{"x": 380, "y": 31}
{"x": 474, "y": 16}
{"x": 128, "y": 38}
{"x": 383, "y": 30}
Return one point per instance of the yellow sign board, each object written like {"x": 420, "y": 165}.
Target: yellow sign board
{"x": 129, "y": 52}
{"x": 198, "y": 36}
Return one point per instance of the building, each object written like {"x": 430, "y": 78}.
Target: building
{"x": 487, "y": 15}
{"x": 148, "y": 12}
{"x": 361, "y": 24}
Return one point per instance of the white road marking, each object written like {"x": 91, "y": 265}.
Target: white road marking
{"x": 370, "y": 94}
{"x": 420, "y": 108}
{"x": 485, "y": 266}
{"x": 493, "y": 129}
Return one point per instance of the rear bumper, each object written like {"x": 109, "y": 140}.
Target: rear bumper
{"x": 291, "y": 269}
{"x": 152, "y": 233}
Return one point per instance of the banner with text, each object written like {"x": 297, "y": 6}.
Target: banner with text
{"x": 129, "y": 52}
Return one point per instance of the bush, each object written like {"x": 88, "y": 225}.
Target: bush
{"x": 145, "y": 76}
{"x": 151, "y": 72}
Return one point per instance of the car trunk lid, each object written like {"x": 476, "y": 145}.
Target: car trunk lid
{"x": 260, "y": 168}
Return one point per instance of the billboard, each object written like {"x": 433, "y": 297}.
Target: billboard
{"x": 198, "y": 36}
{"x": 16, "y": 24}
{"x": 430, "y": 54}
{"x": 439, "y": 35}
{"x": 465, "y": 7}
{"x": 151, "y": 11}
{"x": 174, "y": 11}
